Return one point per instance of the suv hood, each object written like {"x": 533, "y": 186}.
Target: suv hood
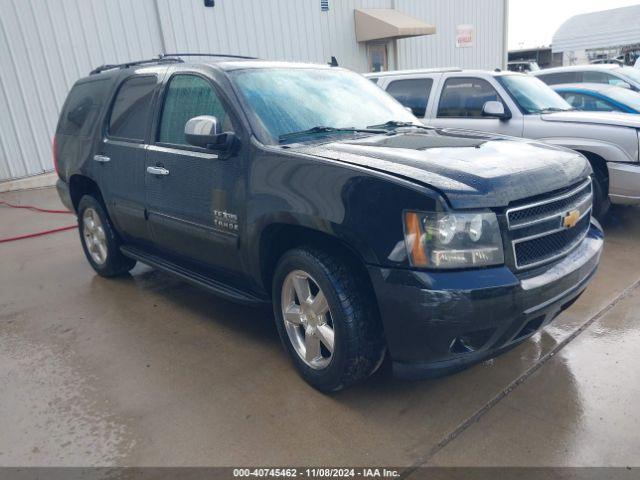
{"x": 599, "y": 118}
{"x": 471, "y": 169}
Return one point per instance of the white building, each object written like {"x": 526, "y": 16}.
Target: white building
{"x": 46, "y": 45}
{"x": 602, "y": 35}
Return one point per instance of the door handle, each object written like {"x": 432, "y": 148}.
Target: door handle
{"x": 157, "y": 171}
{"x": 101, "y": 158}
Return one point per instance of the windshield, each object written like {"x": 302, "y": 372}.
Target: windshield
{"x": 533, "y": 95}
{"x": 283, "y": 101}
{"x": 624, "y": 96}
{"x": 632, "y": 73}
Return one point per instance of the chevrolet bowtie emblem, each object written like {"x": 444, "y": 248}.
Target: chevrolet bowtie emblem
{"x": 571, "y": 218}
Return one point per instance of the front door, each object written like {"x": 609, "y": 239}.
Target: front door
{"x": 193, "y": 194}
{"x": 460, "y": 106}
{"x": 120, "y": 157}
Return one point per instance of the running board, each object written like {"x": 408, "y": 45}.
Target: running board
{"x": 197, "y": 279}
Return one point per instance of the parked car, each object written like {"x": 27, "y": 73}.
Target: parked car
{"x": 310, "y": 188}
{"x": 611, "y": 74}
{"x": 522, "y": 106}
{"x": 523, "y": 66}
{"x": 599, "y": 97}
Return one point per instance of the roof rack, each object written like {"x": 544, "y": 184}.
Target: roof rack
{"x": 227, "y": 55}
{"x": 160, "y": 59}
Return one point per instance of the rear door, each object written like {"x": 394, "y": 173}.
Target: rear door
{"x": 460, "y": 101}
{"x": 121, "y": 155}
{"x": 194, "y": 196}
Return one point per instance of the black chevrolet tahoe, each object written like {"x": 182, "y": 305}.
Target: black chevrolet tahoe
{"x": 310, "y": 188}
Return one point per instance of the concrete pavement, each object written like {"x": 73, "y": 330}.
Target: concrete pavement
{"x": 146, "y": 370}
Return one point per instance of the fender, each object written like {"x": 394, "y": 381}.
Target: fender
{"x": 611, "y": 152}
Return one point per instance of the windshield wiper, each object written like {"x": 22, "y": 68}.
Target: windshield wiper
{"x": 394, "y": 124}
{"x": 316, "y": 130}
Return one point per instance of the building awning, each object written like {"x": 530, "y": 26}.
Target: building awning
{"x": 386, "y": 23}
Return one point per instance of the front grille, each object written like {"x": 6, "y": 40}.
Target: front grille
{"x": 520, "y": 216}
{"x": 547, "y": 229}
{"x": 540, "y": 249}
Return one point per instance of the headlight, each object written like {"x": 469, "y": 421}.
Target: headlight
{"x": 453, "y": 240}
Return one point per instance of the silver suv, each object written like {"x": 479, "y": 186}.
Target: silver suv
{"x": 522, "y": 106}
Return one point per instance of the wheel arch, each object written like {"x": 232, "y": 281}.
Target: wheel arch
{"x": 278, "y": 238}
{"x": 80, "y": 185}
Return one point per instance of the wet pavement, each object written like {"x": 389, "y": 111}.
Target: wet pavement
{"x": 147, "y": 370}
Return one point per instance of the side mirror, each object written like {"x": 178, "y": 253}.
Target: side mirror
{"x": 205, "y": 131}
{"x": 495, "y": 110}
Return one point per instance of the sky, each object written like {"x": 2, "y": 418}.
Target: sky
{"x": 533, "y": 23}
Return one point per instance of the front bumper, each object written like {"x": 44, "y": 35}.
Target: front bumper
{"x": 440, "y": 322}
{"x": 624, "y": 183}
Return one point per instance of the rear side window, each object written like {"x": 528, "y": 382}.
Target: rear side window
{"x": 189, "y": 96}
{"x": 82, "y": 107}
{"x": 465, "y": 97}
{"x": 563, "y": 77}
{"x": 131, "y": 111}
{"x": 413, "y": 93}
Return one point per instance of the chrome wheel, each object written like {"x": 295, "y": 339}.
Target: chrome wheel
{"x": 307, "y": 319}
{"x": 94, "y": 236}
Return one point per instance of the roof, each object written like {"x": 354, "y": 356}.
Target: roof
{"x": 398, "y": 73}
{"x": 413, "y": 72}
{"x": 601, "y": 67}
{"x": 608, "y": 28}
{"x": 386, "y": 23}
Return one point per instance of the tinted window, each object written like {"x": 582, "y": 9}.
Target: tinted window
{"x": 82, "y": 107}
{"x": 413, "y": 93}
{"x": 588, "y": 103}
{"x": 131, "y": 110}
{"x": 556, "y": 78}
{"x": 189, "y": 96}
{"x": 465, "y": 97}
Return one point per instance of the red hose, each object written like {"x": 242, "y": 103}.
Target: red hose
{"x": 36, "y": 234}
{"x": 35, "y": 209}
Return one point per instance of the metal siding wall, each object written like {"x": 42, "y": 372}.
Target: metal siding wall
{"x": 45, "y": 46}
{"x": 291, "y": 30}
{"x": 439, "y": 50}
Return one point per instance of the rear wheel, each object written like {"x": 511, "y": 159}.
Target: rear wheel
{"x": 99, "y": 240}
{"x": 327, "y": 321}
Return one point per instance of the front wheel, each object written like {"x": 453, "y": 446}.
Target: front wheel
{"x": 601, "y": 202}
{"x": 327, "y": 320}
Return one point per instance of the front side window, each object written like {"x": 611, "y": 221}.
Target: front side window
{"x": 131, "y": 111}
{"x": 532, "y": 95}
{"x": 588, "y": 103}
{"x": 189, "y": 96}
{"x": 280, "y": 101}
{"x": 600, "y": 77}
{"x": 412, "y": 93}
{"x": 465, "y": 97}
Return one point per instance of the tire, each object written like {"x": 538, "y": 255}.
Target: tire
{"x": 99, "y": 240}
{"x": 351, "y": 313}
{"x": 601, "y": 202}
